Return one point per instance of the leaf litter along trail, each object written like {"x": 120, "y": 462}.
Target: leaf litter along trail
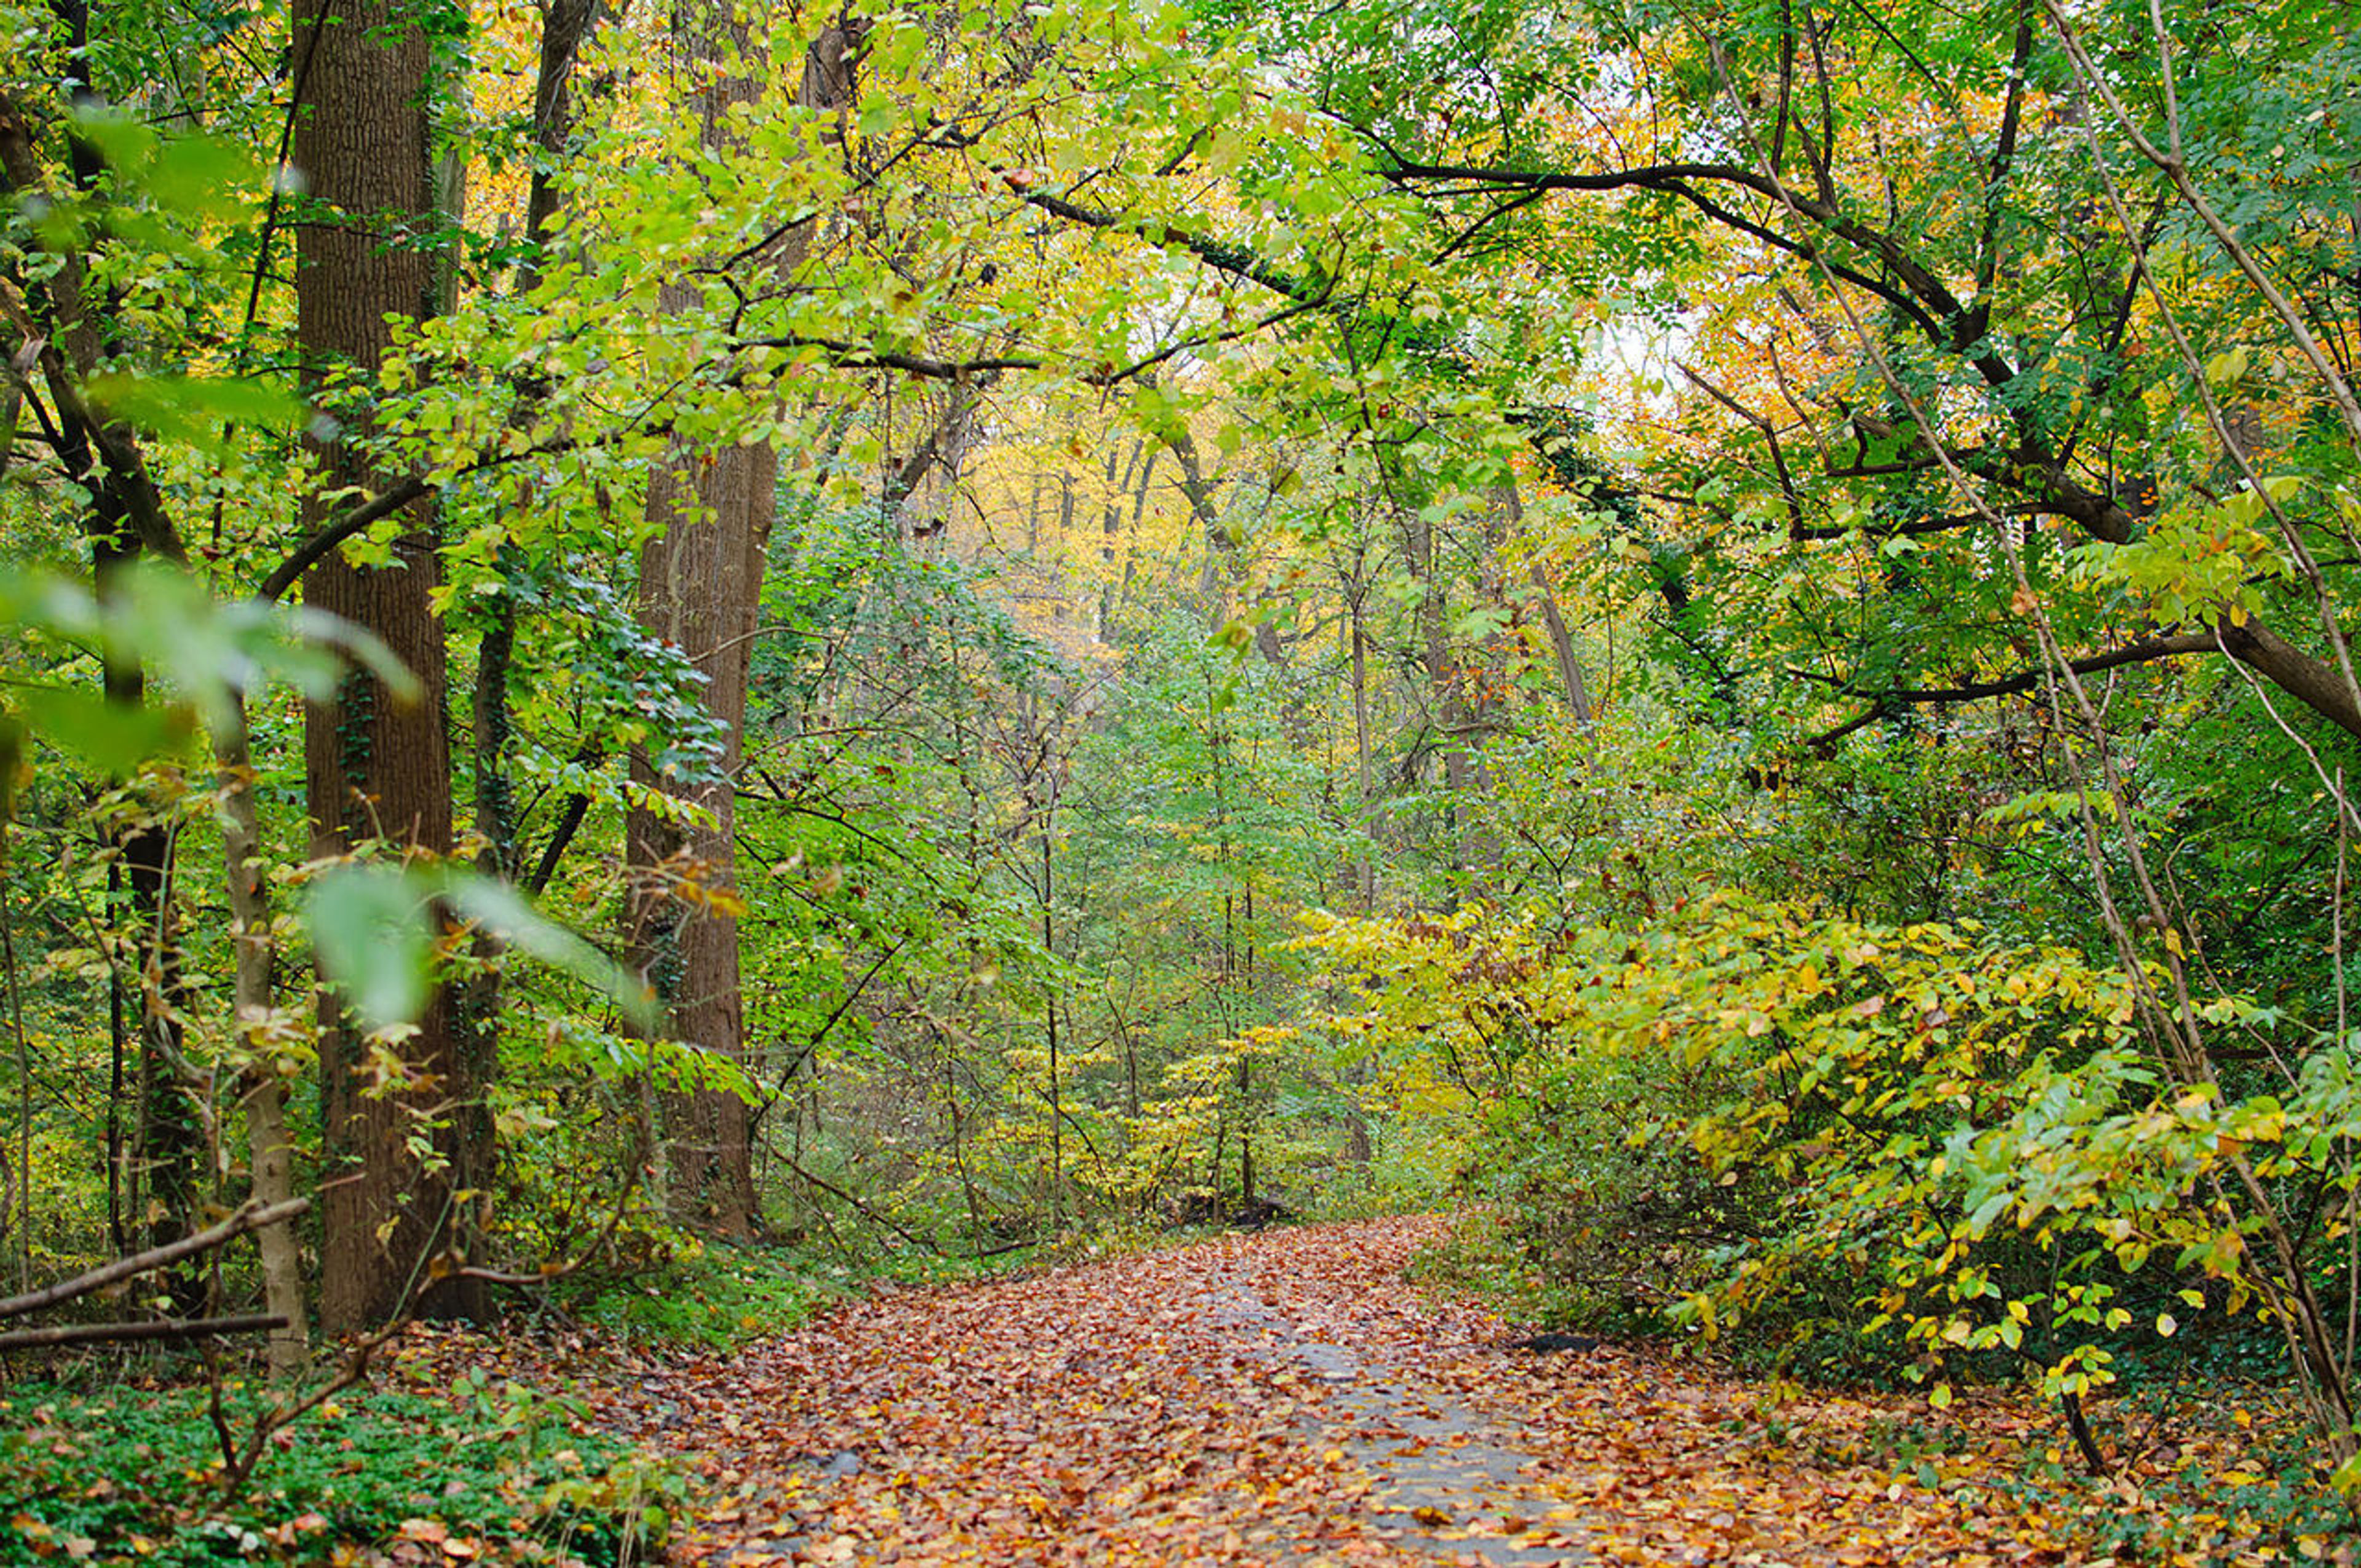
{"x": 1288, "y": 1398}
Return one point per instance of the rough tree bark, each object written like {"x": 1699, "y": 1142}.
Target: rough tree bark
{"x": 698, "y": 585}
{"x": 375, "y": 768}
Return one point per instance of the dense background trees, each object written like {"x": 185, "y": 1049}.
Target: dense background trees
{"x": 1725, "y": 630}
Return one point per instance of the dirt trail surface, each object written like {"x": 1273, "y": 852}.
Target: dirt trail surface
{"x": 1286, "y": 1399}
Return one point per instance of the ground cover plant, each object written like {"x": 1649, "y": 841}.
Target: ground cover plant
{"x": 480, "y": 1470}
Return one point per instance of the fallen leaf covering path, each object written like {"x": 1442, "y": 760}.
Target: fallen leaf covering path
{"x": 1288, "y": 1399}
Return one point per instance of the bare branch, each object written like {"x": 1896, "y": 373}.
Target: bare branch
{"x": 157, "y": 1328}
{"x": 249, "y": 1217}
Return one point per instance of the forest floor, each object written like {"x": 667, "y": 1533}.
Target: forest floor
{"x": 1288, "y": 1398}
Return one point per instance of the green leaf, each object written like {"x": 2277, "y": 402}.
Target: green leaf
{"x": 112, "y": 737}
{"x": 369, "y": 930}
{"x": 123, "y": 142}
{"x": 202, "y": 175}
{"x": 192, "y": 409}
{"x": 503, "y": 911}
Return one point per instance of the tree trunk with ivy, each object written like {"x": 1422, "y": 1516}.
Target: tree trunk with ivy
{"x": 375, "y": 768}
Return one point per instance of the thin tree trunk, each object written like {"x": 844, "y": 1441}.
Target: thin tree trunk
{"x": 918, "y": 497}
{"x": 1445, "y": 716}
{"x": 1569, "y": 665}
{"x": 924, "y": 488}
{"x": 271, "y": 1151}
{"x": 476, "y": 1011}
{"x": 1111, "y": 536}
{"x": 1055, "y": 1095}
{"x": 1356, "y": 635}
{"x": 1224, "y": 566}
{"x": 565, "y": 24}
{"x": 168, "y": 1143}
{"x": 126, "y": 509}
{"x": 1482, "y": 689}
{"x": 168, "y": 1139}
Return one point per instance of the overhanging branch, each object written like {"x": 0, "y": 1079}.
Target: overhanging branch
{"x": 1221, "y": 257}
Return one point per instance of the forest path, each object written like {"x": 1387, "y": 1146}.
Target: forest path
{"x": 1283, "y": 1399}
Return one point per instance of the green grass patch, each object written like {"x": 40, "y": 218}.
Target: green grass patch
{"x": 492, "y": 1473}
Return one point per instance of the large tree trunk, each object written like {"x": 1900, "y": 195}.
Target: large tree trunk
{"x": 374, "y": 768}
{"x": 700, "y": 581}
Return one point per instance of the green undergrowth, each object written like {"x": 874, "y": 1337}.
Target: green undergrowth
{"x": 715, "y": 1300}
{"x": 2223, "y": 1465}
{"x": 717, "y": 1296}
{"x": 1477, "y": 1257}
{"x": 134, "y": 1476}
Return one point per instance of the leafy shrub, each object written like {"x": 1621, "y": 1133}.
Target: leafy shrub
{"x": 1829, "y": 1132}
